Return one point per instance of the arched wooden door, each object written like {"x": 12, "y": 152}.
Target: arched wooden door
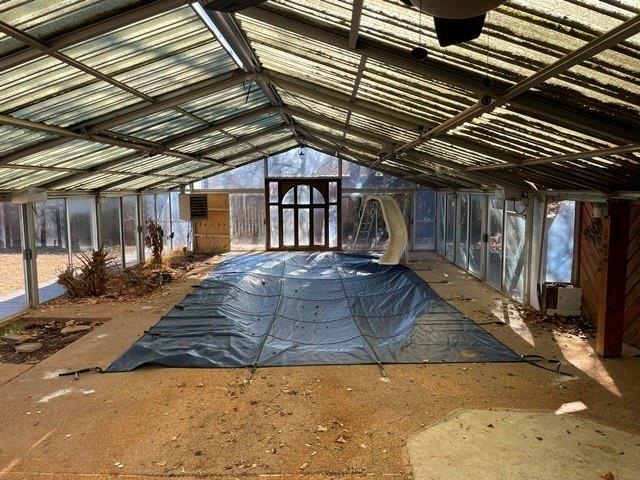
{"x": 303, "y": 213}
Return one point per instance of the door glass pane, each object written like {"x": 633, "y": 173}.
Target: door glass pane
{"x": 82, "y": 225}
{"x": 303, "y": 194}
{"x": 51, "y": 245}
{"x": 494, "y": 245}
{"x": 318, "y": 226}
{"x": 12, "y": 294}
{"x": 303, "y": 227}
{"x": 462, "y": 243}
{"x": 274, "y": 239}
{"x": 333, "y": 192}
{"x": 110, "y": 227}
{"x": 560, "y": 224}
{"x": 451, "y": 227}
{"x": 130, "y": 229}
{"x": 273, "y": 192}
{"x": 514, "y": 254}
{"x": 288, "y": 197}
{"x": 475, "y": 234}
{"x": 333, "y": 226}
{"x": 288, "y": 226}
{"x": 317, "y": 196}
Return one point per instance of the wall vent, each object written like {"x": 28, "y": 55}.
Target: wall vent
{"x": 199, "y": 207}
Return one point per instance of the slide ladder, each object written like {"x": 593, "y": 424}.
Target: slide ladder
{"x": 393, "y": 219}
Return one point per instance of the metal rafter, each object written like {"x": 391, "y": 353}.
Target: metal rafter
{"x": 234, "y": 36}
{"x": 487, "y": 104}
{"x": 138, "y": 110}
{"x": 92, "y": 30}
{"x": 356, "y": 15}
{"x": 536, "y": 104}
{"x": 604, "y": 152}
{"x": 33, "y": 42}
{"x": 227, "y": 159}
{"x": 103, "y": 167}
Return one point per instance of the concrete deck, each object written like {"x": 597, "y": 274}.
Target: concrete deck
{"x": 304, "y": 422}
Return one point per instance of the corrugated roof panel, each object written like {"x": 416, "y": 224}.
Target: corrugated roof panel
{"x": 44, "y": 19}
{"x": 203, "y": 142}
{"x": 181, "y": 169}
{"x": 300, "y": 57}
{"x": 229, "y": 102}
{"x": 255, "y": 125}
{"x": 95, "y": 181}
{"x": 12, "y": 138}
{"x": 75, "y": 154}
{"x": 407, "y": 93}
{"x": 382, "y": 128}
{"x": 19, "y": 178}
{"x": 311, "y": 105}
{"x": 145, "y": 164}
{"x": 159, "y": 54}
{"x": 159, "y": 126}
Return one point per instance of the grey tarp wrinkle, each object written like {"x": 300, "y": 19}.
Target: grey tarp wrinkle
{"x": 276, "y": 309}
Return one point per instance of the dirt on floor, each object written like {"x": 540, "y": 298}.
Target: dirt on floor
{"x": 319, "y": 422}
{"x": 48, "y": 333}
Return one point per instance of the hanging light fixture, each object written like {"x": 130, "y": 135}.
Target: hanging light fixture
{"x": 301, "y": 152}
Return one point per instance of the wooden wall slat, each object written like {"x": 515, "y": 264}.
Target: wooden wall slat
{"x": 632, "y": 299}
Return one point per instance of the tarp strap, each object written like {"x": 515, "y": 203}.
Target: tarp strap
{"x": 76, "y": 373}
{"x": 383, "y": 373}
{"x": 273, "y": 319}
{"x": 534, "y": 359}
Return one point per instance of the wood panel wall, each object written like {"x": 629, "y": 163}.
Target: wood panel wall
{"x": 213, "y": 235}
{"x": 592, "y": 259}
{"x": 632, "y": 292}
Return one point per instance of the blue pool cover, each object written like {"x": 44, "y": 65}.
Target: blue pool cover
{"x": 277, "y": 309}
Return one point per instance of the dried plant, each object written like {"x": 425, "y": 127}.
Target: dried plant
{"x": 90, "y": 278}
{"x": 154, "y": 240}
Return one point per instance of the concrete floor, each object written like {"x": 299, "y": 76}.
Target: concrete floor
{"x": 304, "y": 422}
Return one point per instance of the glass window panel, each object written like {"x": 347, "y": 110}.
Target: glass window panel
{"x": 425, "y": 219}
{"x": 303, "y": 194}
{"x": 441, "y": 222}
{"x": 130, "y": 229}
{"x": 82, "y": 225}
{"x": 246, "y": 176}
{"x": 274, "y": 239}
{"x": 560, "y": 225}
{"x": 514, "y": 256}
{"x": 311, "y": 164}
{"x": 494, "y": 245}
{"x": 350, "y": 217}
{"x": 318, "y": 226}
{"x": 164, "y": 218}
{"x": 51, "y": 246}
{"x": 475, "y": 233}
{"x": 247, "y": 217}
{"x": 12, "y": 288}
{"x": 303, "y": 227}
{"x": 288, "y": 226}
{"x": 358, "y": 176}
{"x": 462, "y": 224}
{"x": 110, "y": 227}
{"x": 148, "y": 213}
{"x": 180, "y": 229}
{"x": 451, "y": 227}
{"x": 273, "y": 192}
